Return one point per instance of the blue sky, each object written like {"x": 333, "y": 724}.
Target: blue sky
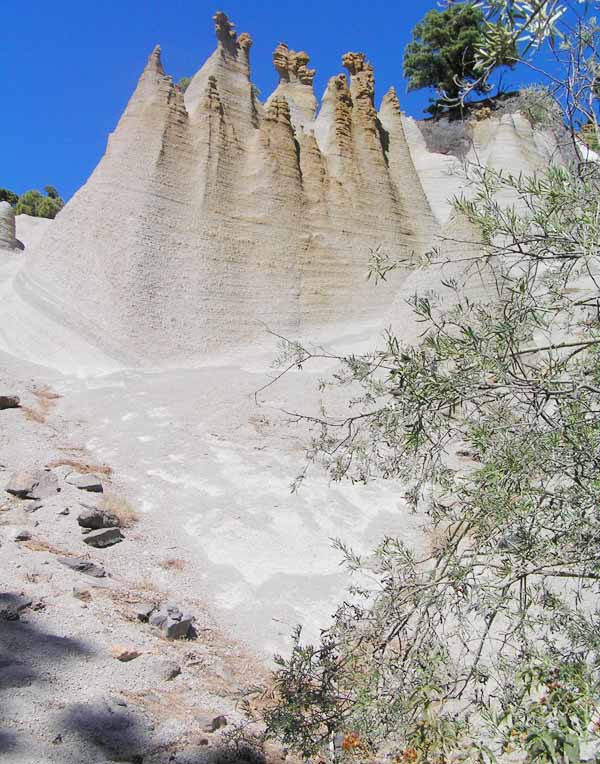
{"x": 68, "y": 67}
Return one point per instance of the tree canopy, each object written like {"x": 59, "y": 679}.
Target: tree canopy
{"x": 443, "y": 52}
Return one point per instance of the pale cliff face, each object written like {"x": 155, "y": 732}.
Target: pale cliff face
{"x": 213, "y": 215}
{"x": 8, "y": 238}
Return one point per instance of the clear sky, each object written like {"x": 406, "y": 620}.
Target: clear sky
{"x": 68, "y": 67}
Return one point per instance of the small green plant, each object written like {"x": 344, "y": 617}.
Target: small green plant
{"x": 184, "y": 83}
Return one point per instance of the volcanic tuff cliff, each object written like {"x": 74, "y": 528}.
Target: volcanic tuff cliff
{"x": 212, "y": 214}
{"x": 8, "y": 239}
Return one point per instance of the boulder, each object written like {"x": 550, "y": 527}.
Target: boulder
{"x": 9, "y": 402}
{"x": 124, "y": 654}
{"x": 144, "y": 611}
{"x": 22, "y": 535}
{"x": 33, "y": 484}
{"x": 9, "y": 613}
{"x": 210, "y": 723}
{"x": 85, "y": 482}
{"x": 11, "y": 606}
{"x": 96, "y": 518}
{"x": 82, "y": 565}
{"x": 104, "y": 537}
{"x": 173, "y": 624}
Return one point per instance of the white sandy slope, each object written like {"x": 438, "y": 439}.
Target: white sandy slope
{"x": 30, "y": 230}
{"x": 200, "y": 456}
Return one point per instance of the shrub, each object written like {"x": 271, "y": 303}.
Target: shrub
{"x": 483, "y": 646}
{"x": 538, "y": 105}
{"x": 37, "y": 205}
{"x": 8, "y": 196}
{"x": 184, "y": 83}
{"x": 121, "y": 508}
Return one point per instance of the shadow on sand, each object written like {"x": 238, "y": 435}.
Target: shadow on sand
{"x": 97, "y": 732}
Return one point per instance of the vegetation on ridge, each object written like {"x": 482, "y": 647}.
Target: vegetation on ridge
{"x": 443, "y": 53}
{"x": 184, "y": 83}
{"x": 34, "y": 203}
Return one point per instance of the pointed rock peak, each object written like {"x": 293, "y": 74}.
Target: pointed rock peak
{"x": 245, "y": 41}
{"x": 337, "y": 97}
{"x": 339, "y": 87}
{"x": 154, "y": 61}
{"x": 224, "y": 29}
{"x": 391, "y": 99}
{"x": 355, "y": 63}
{"x": 227, "y": 36}
{"x": 292, "y": 66}
{"x": 361, "y": 73}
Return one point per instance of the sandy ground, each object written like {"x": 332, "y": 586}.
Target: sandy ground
{"x": 208, "y": 468}
{"x": 63, "y": 696}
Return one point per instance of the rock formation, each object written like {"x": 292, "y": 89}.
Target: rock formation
{"x": 212, "y": 215}
{"x": 8, "y": 238}
{"x": 506, "y": 143}
{"x": 295, "y": 84}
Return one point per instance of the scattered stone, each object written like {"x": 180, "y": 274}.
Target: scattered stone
{"x": 144, "y": 611}
{"x": 104, "y": 537}
{"x": 22, "y": 535}
{"x": 197, "y": 740}
{"x": 64, "y": 511}
{"x": 166, "y": 670}
{"x": 33, "y": 506}
{"x": 82, "y": 565}
{"x": 85, "y": 482}
{"x": 33, "y": 484}
{"x": 81, "y": 593}
{"x": 209, "y": 723}
{"x": 116, "y": 700}
{"x": 124, "y": 654}
{"x": 9, "y": 402}
{"x": 218, "y": 722}
{"x": 11, "y": 606}
{"x": 172, "y": 623}
{"x": 95, "y": 518}
{"x": 9, "y": 612}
